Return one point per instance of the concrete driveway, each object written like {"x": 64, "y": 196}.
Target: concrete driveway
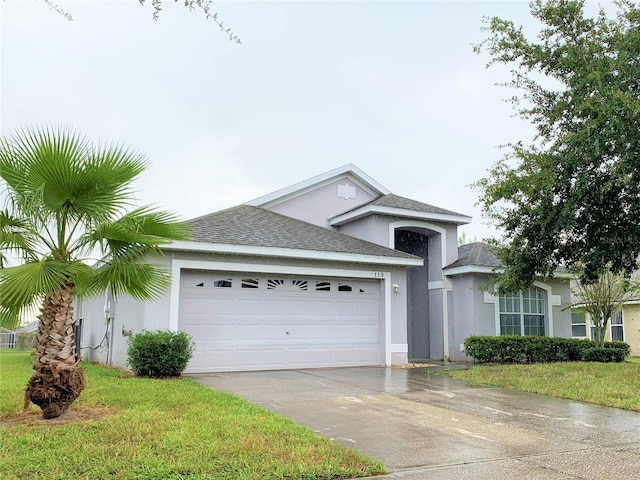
{"x": 427, "y": 427}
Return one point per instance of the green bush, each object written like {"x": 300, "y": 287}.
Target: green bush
{"x": 535, "y": 349}
{"x": 159, "y": 353}
{"x": 625, "y": 347}
{"x": 606, "y": 354}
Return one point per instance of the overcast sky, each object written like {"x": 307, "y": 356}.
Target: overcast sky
{"x": 391, "y": 87}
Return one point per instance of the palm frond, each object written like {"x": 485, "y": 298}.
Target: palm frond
{"x": 104, "y": 187}
{"x": 9, "y": 318}
{"x": 65, "y": 197}
{"x": 141, "y": 281}
{"x": 82, "y": 180}
{"x": 143, "y": 227}
{"x": 21, "y": 284}
{"x": 16, "y": 235}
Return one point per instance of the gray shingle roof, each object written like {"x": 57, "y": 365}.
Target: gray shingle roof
{"x": 478, "y": 254}
{"x": 397, "y": 201}
{"x": 254, "y": 226}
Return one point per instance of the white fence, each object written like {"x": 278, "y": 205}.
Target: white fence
{"x": 7, "y": 339}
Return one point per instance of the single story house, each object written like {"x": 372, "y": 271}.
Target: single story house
{"x": 333, "y": 271}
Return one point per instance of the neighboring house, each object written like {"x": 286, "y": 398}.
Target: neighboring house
{"x": 31, "y": 327}
{"x": 332, "y": 271}
{"x": 7, "y": 338}
{"x": 623, "y": 325}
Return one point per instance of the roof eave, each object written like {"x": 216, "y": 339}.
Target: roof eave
{"x": 252, "y": 250}
{"x": 464, "y": 269}
{"x": 398, "y": 212}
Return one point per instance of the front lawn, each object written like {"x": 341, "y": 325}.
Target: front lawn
{"x": 608, "y": 384}
{"x": 127, "y": 427}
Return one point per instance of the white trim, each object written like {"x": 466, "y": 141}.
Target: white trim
{"x": 491, "y": 298}
{"x": 564, "y": 275}
{"x": 471, "y": 269}
{"x": 551, "y": 301}
{"x": 445, "y": 285}
{"x": 445, "y": 323}
{"x": 393, "y": 226}
{"x": 399, "y": 348}
{"x": 480, "y": 269}
{"x": 435, "y": 285}
{"x": 399, "y": 212}
{"x": 178, "y": 265}
{"x": 363, "y": 180}
{"x": 230, "y": 249}
{"x": 387, "y": 318}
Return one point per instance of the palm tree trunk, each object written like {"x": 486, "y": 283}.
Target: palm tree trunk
{"x": 56, "y": 380}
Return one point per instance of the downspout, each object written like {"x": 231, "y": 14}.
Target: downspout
{"x": 108, "y": 320}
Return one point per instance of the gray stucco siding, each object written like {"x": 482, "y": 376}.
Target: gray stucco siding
{"x": 474, "y": 315}
{"x": 373, "y": 228}
{"x": 320, "y": 204}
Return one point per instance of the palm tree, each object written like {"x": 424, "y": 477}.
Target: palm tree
{"x": 69, "y": 204}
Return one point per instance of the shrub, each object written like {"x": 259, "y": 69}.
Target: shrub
{"x": 159, "y": 353}
{"x": 606, "y": 354}
{"x": 625, "y": 347}
{"x": 532, "y": 349}
{"x": 25, "y": 341}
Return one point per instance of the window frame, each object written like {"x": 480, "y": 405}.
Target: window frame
{"x": 528, "y": 306}
{"x": 617, "y": 315}
{"x": 575, "y": 316}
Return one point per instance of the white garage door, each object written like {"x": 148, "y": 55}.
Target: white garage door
{"x": 263, "y": 322}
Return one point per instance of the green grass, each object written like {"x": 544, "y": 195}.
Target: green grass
{"x": 608, "y": 384}
{"x": 129, "y": 427}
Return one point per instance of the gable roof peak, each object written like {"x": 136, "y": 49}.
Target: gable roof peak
{"x": 358, "y": 175}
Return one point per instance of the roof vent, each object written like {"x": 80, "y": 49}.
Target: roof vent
{"x": 346, "y": 191}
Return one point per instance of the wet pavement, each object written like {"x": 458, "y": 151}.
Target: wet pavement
{"x": 424, "y": 426}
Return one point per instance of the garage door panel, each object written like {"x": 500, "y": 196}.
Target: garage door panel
{"x": 223, "y": 359}
{"x": 367, "y": 310}
{"x": 300, "y": 357}
{"x": 323, "y": 331}
{"x": 345, "y": 355}
{"x": 273, "y": 357}
{"x": 237, "y": 328}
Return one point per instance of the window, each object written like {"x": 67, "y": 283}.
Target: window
{"x": 300, "y": 285}
{"x": 250, "y": 283}
{"x": 523, "y": 313}
{"x": 344, "y": 287}
{"x": 323, "y": 286}
{"x": 617, "y": 327}
{"x": 224, "y": 283}
{"x": 275, "y": 284}
{"x": 578, "y": 324}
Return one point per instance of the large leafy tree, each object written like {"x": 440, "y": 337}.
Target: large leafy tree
{"x": 604, "y": 297}
{"x": 572, "y": 195}
{"x": 69, "y": 203}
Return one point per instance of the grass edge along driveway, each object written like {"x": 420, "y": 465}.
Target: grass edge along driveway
{"x": 126, "y": 427}
{"x": 608, "y": 384}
